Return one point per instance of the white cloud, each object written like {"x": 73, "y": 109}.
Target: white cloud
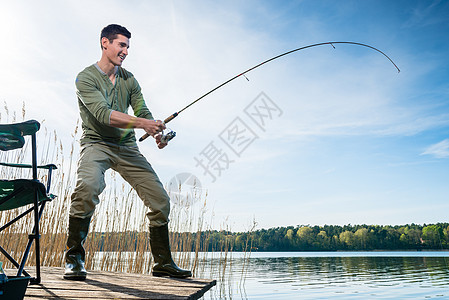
{"x": 438, "y": 150}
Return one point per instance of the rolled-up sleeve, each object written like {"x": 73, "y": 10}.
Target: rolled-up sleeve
{"x": 92, "y": 99}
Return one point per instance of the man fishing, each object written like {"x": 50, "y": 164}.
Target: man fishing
{"x": 105, "y": 91}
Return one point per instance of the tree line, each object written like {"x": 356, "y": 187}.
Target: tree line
{"x": 299, "y": 238}
{"x": 334, "y": 238}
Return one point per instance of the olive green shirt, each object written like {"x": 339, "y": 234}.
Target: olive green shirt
{"x": 98, "y": 97}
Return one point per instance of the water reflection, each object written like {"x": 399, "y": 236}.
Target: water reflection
{"x": 335, "y": 277}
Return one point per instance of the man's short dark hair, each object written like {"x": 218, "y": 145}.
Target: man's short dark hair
{"x": 111, "y": 31}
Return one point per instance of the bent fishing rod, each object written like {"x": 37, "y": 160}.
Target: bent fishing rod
{"x": 170, "y": 135}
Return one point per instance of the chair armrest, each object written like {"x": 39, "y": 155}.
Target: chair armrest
{"x": 47, "y": 167}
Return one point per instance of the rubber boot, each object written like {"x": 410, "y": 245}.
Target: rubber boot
{"x": 163, "y": 262}
{"x": 75, "y": 255}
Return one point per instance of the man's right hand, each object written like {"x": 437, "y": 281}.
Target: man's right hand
{"x": 153, "y": 127}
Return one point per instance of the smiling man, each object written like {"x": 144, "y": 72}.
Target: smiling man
{"x": 105, "y": 91}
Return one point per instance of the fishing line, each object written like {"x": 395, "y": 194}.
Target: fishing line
{"x": 174, "y": 115}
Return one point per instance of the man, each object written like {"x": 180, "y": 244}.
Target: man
{"x": 105, "y": 91}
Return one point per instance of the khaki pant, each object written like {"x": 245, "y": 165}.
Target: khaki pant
{"x": 96, "y": 158}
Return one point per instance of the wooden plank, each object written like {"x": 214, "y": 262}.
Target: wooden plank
{"x": 112, "y": 285}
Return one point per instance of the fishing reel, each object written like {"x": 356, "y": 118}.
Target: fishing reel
{"x": 167, "y": 135}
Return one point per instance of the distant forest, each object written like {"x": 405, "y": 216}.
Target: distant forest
{"x": 300, "y": 238}
{"x": 333, "y": 238}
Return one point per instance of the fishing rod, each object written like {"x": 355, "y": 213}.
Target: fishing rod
{"x": 171, "y": 134}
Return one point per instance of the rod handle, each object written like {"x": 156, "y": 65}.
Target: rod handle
{"x": 171, "y": 117}
{"x": 143, "y": 137}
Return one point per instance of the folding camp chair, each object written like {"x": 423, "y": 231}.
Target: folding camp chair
{"x": 24, "y": 192}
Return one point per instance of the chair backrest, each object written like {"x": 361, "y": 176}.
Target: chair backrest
{"x": 11, "y": 135}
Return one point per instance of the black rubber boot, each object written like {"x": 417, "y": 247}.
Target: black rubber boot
{"x": 75, "y": 255}
{"x": 160, "y": 248}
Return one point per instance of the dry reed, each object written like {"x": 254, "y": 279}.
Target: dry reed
{"x": 118, "y": 238}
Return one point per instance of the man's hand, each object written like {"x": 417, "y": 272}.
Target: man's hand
{"x": 158, "y": 138}
{"x": 153, "y": 127}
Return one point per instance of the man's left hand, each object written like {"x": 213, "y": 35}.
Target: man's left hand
{"x": 158, "y": 138}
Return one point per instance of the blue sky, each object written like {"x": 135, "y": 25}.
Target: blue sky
{"x": 352, "y": 140}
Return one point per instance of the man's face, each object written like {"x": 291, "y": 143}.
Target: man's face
{"x": 117, "y": 50}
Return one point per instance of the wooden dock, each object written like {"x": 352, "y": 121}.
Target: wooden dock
{"x": 110, "y": 285}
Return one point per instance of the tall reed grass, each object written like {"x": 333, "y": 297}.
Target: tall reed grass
{"x": 118, "y": 225}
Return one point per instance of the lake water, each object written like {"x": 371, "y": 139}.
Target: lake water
{"x": 330, "y": 275}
